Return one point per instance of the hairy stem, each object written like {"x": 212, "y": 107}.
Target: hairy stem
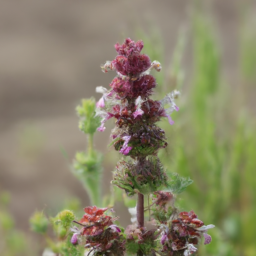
{"x": 140, "y": 210}
{"x": 90, "y": 144}
{"x": 140, "y": 215}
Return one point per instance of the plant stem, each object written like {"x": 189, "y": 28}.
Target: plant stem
{"x": 178, "y": 253}
{"x": 140, "y": 215}
{"x": 140, "y": 210}
{"x": 90, "y": 144}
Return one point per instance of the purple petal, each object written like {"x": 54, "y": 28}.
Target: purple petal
{"x": 74, "y": 239}
{"x": 171, "y": 122}
{"x": 176, "y": 108}
{"x": 101, "y": 128}
{"x": 138, "y": 112}
{"x": 163, "y": 239}
{"x": 125, "y": 150}
{"x": 115, "y": 228}
{"x": 100, "y": 103}
{"x": 207, "y": 238}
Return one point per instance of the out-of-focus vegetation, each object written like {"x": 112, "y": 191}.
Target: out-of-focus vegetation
{"x": 213, "y": 140}
{"x": 13, "y": 242}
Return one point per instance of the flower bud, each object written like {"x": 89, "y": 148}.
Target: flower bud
{"x": 39, "y": 223}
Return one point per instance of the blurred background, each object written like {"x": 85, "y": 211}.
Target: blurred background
{"x": 50, "y": 57}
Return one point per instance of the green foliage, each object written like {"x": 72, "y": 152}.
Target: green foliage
{"x": 62, "y": 222}
{"x": 87, "y": 165}
{"x": 177, "y": 184}
{"x": 39, "y": 223}
{"x": 69, "y": 249}
{"x": 13, "y": 242}
{"x": 86, "y": 111}
{"x": 132, "y": 247}
{"x": 214, "y": 143}
{"x": 146, "y": 247}
{"x": 87, "y": 168}
{"x": 6, "y": 221}
{"x": 134, "y": 177}
{"x": 66, "y": 217}
{"x": 161, "y": 215}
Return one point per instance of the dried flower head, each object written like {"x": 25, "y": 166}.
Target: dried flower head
{"x": 184, "y": 233}
{"x": 99, "y": 233}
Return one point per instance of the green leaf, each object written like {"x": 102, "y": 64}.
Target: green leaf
{"x": 177, "y": 184}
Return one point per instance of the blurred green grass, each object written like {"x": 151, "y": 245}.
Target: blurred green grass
{"x": 213, "y": 140}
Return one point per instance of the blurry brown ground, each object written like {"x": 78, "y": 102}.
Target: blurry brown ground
{"x": 50, "y": 53}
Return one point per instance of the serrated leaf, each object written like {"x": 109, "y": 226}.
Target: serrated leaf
{"x": 177, "y": 184}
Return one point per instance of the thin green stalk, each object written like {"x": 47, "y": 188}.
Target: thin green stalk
{"x": 90, "y": 144}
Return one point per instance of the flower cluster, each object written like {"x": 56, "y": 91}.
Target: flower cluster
{"x": 184, "y": 233}
{"x": 140, "y": 239}
{"x": 162, "y": 208}
{"x": 139, "y": 176}
{"x": 98, "y": 233}
{"x": 128, "y": 102}
{"x": 136, "y": 133}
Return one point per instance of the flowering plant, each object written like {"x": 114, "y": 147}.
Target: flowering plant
{"x": 138, "y": 138}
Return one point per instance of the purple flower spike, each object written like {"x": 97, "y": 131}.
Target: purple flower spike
{"x": 100, "y": 103}
{"x": 74, "y": 239}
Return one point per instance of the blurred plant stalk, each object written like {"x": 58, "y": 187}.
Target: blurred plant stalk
{"x": 87, "y": 165}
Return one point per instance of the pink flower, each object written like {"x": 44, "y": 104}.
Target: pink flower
{"x": 125, "y": 148}
{"x": 115, "y": 228}
{"x": 164, "y": 238}
{"x": 101, "y": 128}
{"x": 171, "y": 122}
{"x": 138, "y": 112}
{"x": 125, "y": 151}
{"x": 169, "y": 100}
{"x": 74, "y": 239}
{"x": 100, "y": 103}
{"x": 129, "y": 47}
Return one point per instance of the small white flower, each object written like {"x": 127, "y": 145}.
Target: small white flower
{"x": 138, "y": 102}
{"x": 108, "y": 66}
{"x": 169, "y": 100}
{"x": 133, "y": 212}
{"x": 101, "y": 89}
{"x": 205, "y": 228}
{"x": 156, "y": 65}
{"x": 190, "y": 250}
